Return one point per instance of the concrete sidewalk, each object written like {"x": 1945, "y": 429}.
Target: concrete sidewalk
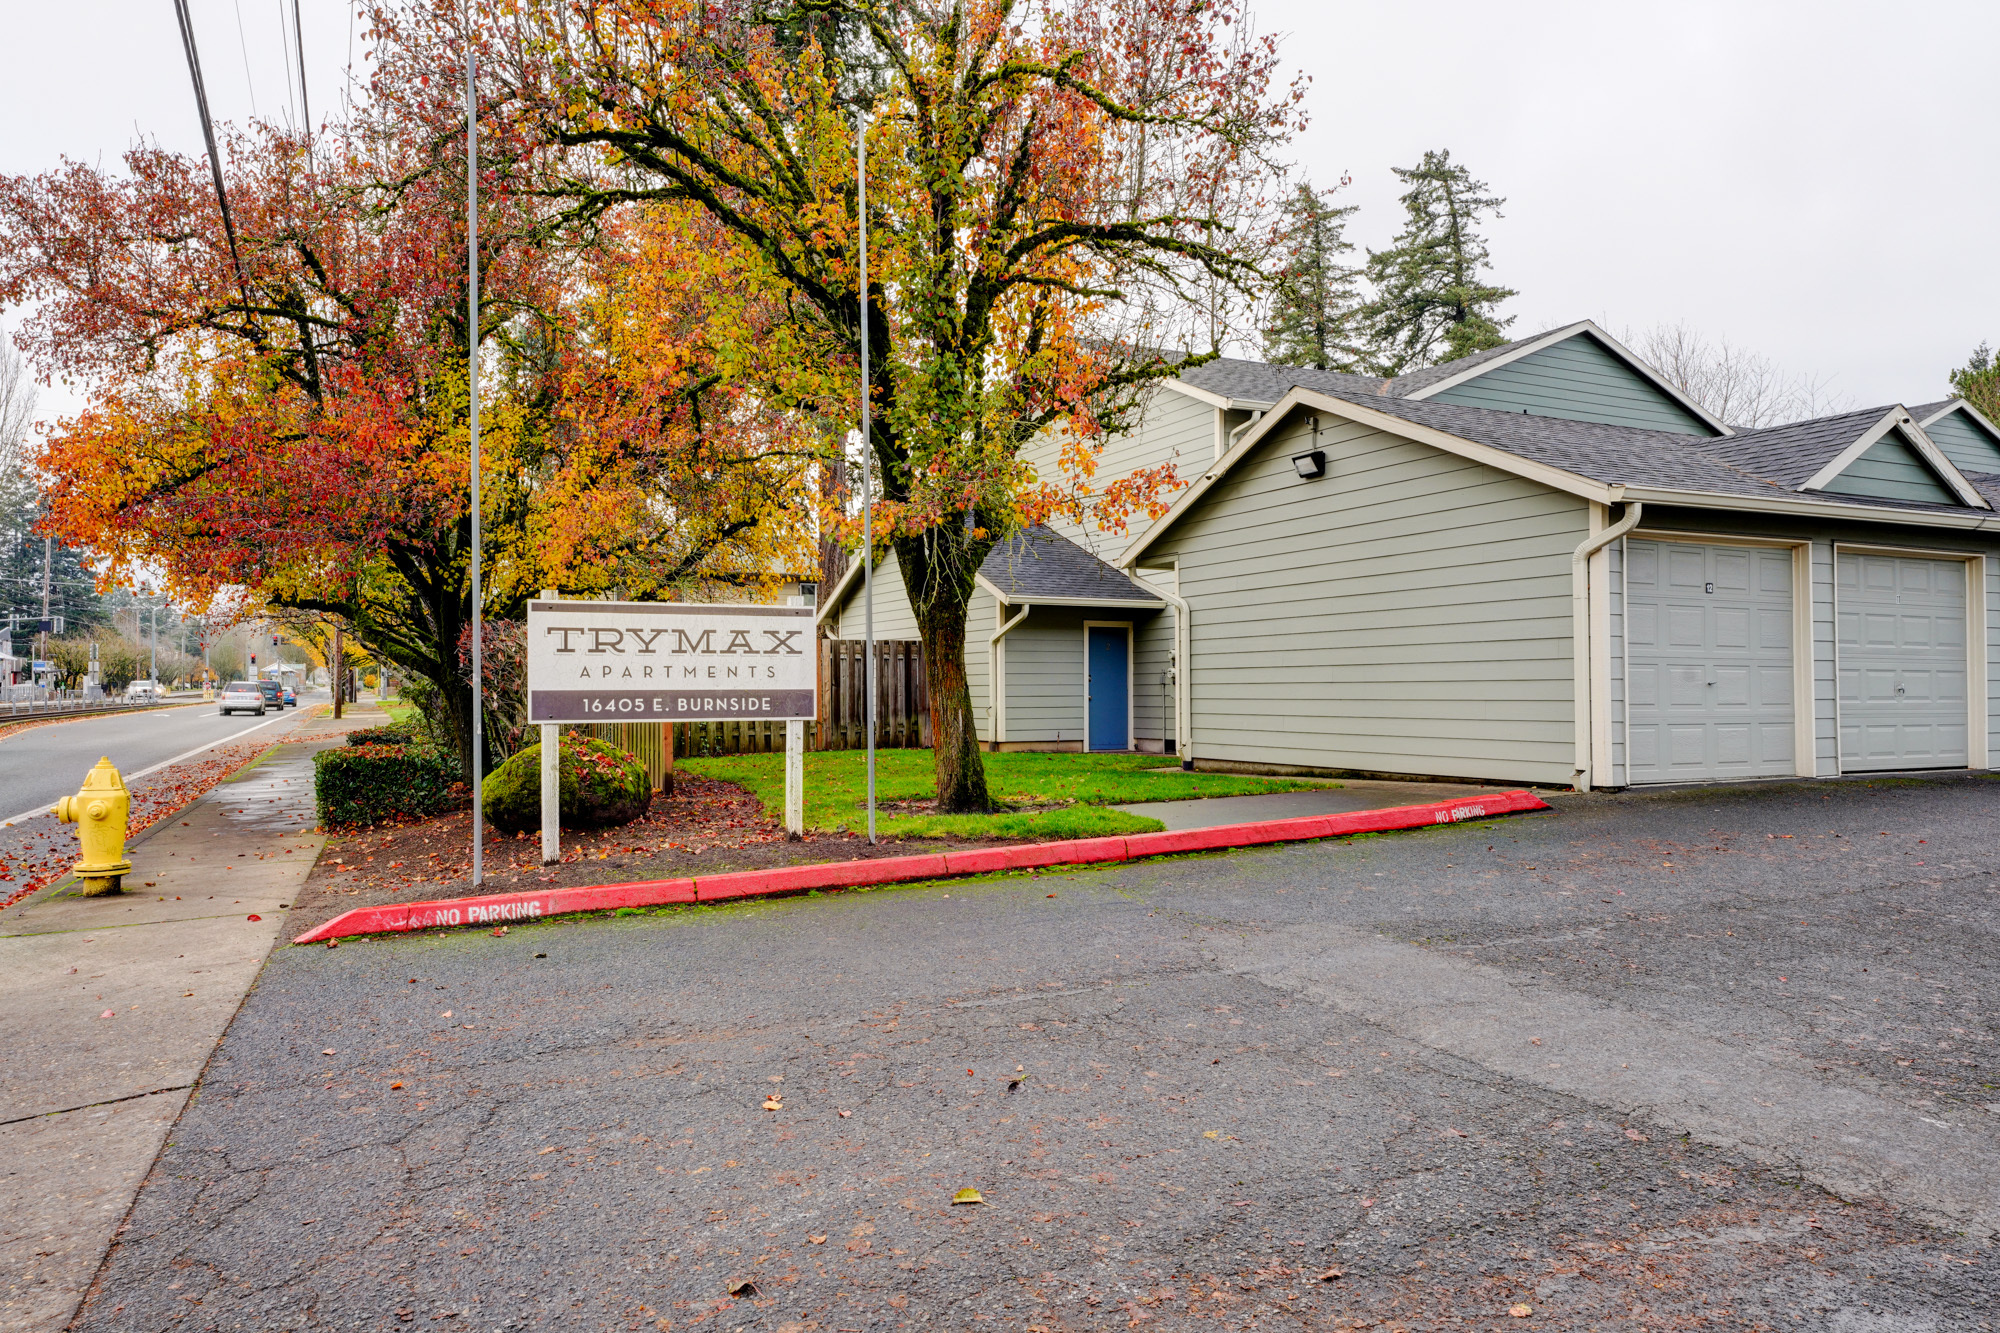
{"x": 1348, "y": 796}
{"x": 86, "y": 1100}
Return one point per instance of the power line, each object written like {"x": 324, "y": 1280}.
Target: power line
{"x": 208, "y": 136}
{"x": 299, "y": 39}
{"x": 244, "y": 43}
{"x": 285, "y": 53}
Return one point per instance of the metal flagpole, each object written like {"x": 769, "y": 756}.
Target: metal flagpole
{"x": 472, "y": 384}
{"x": 867, "y": 501}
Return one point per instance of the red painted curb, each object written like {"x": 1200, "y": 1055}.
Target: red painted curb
{"x": 499, "y": 909}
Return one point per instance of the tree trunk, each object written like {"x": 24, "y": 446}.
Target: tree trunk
{"x": 938, "y": 570}
{"x": 832, "y": 491}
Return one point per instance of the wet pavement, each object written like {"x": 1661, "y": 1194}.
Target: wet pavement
{"x": 1697, "y": 1059}
{"x": 112, "y": 1006}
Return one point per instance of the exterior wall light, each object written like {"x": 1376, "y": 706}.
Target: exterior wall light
{"x": 1310, "y": 464}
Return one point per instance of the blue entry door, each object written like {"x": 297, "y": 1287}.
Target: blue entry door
{"x": 1108, "y": 687}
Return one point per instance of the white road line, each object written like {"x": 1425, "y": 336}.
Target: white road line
{"x": 164, "y": 763}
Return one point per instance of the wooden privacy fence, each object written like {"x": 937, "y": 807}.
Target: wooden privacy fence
{"x": 902, "y": 713}
{"x": 902, "y": 702}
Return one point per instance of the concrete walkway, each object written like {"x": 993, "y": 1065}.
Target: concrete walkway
{"x": 112, "y": 1007}
{"x": 1215, "y": 811}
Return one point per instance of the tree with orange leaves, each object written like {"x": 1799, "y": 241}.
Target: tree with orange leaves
{"x": 293, "y": 423}
{"x": 1045, "y": 178}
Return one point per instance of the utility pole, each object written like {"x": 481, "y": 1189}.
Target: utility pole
{"x": 867, "y": 446}
{"x": 472, "y": 428}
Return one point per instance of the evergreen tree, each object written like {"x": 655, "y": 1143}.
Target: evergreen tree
{"x": 1315, "y": 297}
{"x": 1431, "y": 304}
{"x": 72, "y": 585}
{"x": 1978, "y": 382}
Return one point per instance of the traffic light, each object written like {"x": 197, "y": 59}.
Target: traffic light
{"x": 253, "y": 659}
{"x": 274, "y": 641}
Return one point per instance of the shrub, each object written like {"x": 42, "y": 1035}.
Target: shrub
{"x": 396, "y": 733}
{"x": 369, "y": 784}
{"x": 601, "y": 786}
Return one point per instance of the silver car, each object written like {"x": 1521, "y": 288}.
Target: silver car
{"x": 243, "y": 695}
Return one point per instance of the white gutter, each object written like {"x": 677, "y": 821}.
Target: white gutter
{"x": 1579, "y": 583}
{"x": 995, "y": 711}
{"x": 1183, "y": 666}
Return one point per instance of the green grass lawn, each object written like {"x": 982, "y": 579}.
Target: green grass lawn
{"x": 1078, "y": 785}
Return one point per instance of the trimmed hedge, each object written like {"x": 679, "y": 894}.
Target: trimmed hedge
{"x": 396, "y": 733}
{"x": 373, "y": 783}
{"x": 601, "y": 786}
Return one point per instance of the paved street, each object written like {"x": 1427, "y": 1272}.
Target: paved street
{"x": 40, "y": 764}
{"x": 113, "y": 1005}
{"x": 1685, "y": 1060}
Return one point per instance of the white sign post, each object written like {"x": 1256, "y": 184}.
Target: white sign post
{"x": 671, "y": 662}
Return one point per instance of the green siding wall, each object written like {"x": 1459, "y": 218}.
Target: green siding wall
{"x": 1579, "y": 380}
{"x": 1043, "y": 665}
{"x": 980, "y": 623}
{"x": 1891, "y": 470}
{"x": 1152, "y": 664}
{"x": 1408, "y": 613}
{"x": 1965, "y": 442}
{"x": 1172, "y": 428}
{"x": 893, "y": 617}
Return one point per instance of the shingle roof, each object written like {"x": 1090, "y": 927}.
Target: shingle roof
{"x": 1664, "y": 460}
{"x": 1923, "y": 410}
{"x": 1405, "y": 385}
{"x": 1261, "y": 382}
{"x": 1039, "y": 563}
{"x": 1791, "y": 454}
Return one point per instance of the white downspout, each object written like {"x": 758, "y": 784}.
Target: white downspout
{"x": 1579, "y": 583}
{"x": 995, "y": 707}
{"x": 1237, "y": 434}
{"x": 1183, "y": 668}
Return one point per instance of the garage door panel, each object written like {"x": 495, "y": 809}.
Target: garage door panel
{"x": 1712, "y": 696}
{"x": 1730, "y": 572}
{"x": 1686, "y": 626}
{"x": 1774, "y": 631}
{"x": 1690, "y": 746}
{"x": 1776, "y": 745}
{"x": 1903, "y": 677}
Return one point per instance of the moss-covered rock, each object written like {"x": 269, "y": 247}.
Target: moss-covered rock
{"x": 601, "y": 786}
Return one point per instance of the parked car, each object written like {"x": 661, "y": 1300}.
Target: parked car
{"x": 241, "y": 696}
{"x": 291, "y": 697}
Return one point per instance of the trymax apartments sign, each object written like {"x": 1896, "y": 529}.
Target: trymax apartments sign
{"x": 669, "y": 662}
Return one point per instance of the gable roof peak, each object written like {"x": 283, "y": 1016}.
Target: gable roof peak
{"x": 1433, "y": 380}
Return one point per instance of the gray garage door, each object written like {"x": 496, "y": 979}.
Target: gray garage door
{"x": 1708, "y": 661}
{"x": 1902, "y": 663}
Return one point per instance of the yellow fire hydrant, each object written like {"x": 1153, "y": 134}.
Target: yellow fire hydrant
{"x": 100, "y": 811}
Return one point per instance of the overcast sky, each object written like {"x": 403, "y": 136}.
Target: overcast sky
{"x": 1811, "y": 180}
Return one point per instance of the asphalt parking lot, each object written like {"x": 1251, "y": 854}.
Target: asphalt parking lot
{"x": 1697, "y": 1059}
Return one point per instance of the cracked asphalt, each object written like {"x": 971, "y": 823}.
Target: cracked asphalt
{"x": 1695, "y": 1059}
